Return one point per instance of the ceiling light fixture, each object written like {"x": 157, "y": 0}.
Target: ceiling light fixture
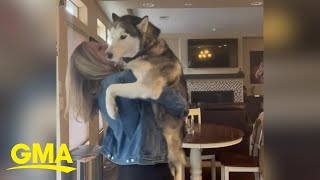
{"x": 164, "y": 17}
{"x": 148, "y": 5}
{"x": 257, "y": 3}
{"x": 188, "y": 3}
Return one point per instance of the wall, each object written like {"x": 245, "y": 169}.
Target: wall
{"x": 74, "y": 38}
{"x": 246, "y": 42}
{"x": 94, "y": 12}
{"x": 178, "y": 42}
{"x": 71, "y": 31}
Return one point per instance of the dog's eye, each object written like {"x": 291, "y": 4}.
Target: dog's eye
{"x": 123, "y": 36}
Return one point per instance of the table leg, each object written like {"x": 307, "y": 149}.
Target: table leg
{"x": 195, "y": 162}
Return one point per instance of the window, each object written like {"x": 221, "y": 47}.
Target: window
{"x": 78, "y": 9}
{"x": 72, "y": 8}
{"x": 101, "y": 30}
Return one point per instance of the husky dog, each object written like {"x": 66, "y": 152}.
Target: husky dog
{"x": 153, "y": 63}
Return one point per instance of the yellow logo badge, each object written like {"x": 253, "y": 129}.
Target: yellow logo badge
{"x": 35, "y": 154}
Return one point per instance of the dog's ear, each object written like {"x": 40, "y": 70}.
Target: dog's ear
{"x": 115, "y": 17}
{"x": 143, "y": 25}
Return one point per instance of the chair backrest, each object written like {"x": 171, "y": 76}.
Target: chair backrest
{"x": 256, "y": 136}
{"x": 195, "y": 112}
{"x": 227, "y": 114}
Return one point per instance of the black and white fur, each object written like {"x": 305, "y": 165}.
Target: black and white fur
{"x": 154, "y": 65}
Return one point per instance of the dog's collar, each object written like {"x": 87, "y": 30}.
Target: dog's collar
{"x": 128, "y": 59}
{"x": 139, "y": 54}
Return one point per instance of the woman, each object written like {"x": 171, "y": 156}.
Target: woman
{"x": 134, "y": 141}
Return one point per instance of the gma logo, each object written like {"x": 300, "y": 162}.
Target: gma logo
{"x": 35, "y": 154}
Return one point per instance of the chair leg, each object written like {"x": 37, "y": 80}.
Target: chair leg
{"x": 257, "y": 176}
{"x": 226, "y": 173}
{"x": 222, "y": 172}
{"x": 213, "y": 168}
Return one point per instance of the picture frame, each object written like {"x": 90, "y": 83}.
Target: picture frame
{"x": 213, "y": 53}
{"x": 256, "y": 67}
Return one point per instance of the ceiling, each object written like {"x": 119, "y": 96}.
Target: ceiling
{"x": 202, "y": 17}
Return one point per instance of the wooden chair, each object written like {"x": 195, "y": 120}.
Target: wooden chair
{"x": 232, "y": 162}
{"x": 196, "y": 114}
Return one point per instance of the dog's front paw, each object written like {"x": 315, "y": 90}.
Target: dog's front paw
{"x": 112, "y": 108}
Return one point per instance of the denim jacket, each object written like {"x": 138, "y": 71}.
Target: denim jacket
{"x": 134, "y": 137}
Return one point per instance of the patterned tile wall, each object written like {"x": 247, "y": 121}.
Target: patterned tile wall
{"x": 235, "y": 85}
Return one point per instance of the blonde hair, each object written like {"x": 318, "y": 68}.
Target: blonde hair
{"x": 83, "y": 79}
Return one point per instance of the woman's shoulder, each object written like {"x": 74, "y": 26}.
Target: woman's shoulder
{"x": 125, "y": 76}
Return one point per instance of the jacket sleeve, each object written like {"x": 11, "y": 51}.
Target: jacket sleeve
{"x": 173, "y": 102}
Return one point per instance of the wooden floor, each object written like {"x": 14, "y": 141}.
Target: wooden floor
{"x": 206, "y": 175}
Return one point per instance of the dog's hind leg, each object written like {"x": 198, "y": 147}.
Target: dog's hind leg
{"x": 179, "y": 165}
{"x": 179, "y": 171}
{"x": 172, "y": 170}
{"x": 176, "y": 156}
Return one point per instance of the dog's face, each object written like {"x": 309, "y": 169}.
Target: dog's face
{"x": 125, "y": 38}
{"x": 121, "y": 44}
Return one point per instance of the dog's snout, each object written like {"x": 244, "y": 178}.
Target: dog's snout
{"x": 109, "y": 55}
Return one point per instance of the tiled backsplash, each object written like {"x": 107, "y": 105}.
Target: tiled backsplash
{"x": 235, "y": 85}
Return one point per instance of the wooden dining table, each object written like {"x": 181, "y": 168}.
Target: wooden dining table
{"x": 209, "y": 136}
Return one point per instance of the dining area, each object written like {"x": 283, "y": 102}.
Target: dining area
{"x": 222, "y": 143}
